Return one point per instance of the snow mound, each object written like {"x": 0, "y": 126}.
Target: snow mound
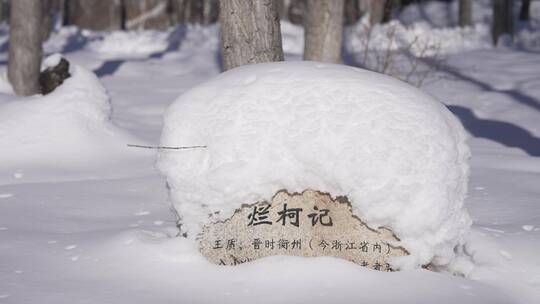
{"x": 292, "y": 37}
{"x": 130, "y": 44}
{"x": 396, "y": 153}
{"x": 69, "y": 126}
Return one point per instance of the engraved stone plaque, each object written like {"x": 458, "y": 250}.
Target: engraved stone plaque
{"x": 301, "y": 224}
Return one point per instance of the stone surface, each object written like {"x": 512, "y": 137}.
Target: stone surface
{"x": 301, "y": 224}
{"x": 53, "y": 77}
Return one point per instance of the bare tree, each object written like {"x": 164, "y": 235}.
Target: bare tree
{"x": 282, "y": 7}
{"x": 25, "y": 39}
{"x": 178, "y": 11}
{"x": 209, "y": 11}
{"x": 524, "y": 11}
{"x": 51, "y": 8}
{"x": 4, "y": 8}
{"x": 390, "y": 6}
{"x": 465, "y": 13}
{"x": 352, "y": 12}
{"x": 194, "y": 11}
{"x": 503, "y": 21}
{"x": 250, "y": 32}
{"x": 376, "y": 11}
{"x": 323, "y": 24}
{"x": 99, "y": 15}
{"x": 296, "y": 10}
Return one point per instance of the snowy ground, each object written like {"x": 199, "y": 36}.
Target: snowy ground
{"x": 101, "y": 232}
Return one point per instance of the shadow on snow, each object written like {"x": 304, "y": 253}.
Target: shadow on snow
{"x": 502, "y": 132}
{"x": 175, "y": 38}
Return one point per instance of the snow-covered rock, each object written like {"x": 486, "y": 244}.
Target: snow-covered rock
{"x": 396, "y": 153}
{"x": 51, "y": 61}
{"x": 70, "y": 126}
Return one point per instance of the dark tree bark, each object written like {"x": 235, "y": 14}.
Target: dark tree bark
{"x": 194, "y": 11}
{"x": 98, "y": 15}
{"x": 376, "y": 11}
{"x": 65, "y": 7}
{"x": 53, "y": 11}
{"x": 178, "y": 11}
{"x": 210, "y": 11}
{"x": 47, "y": 18}
{"x": 296, "y": 11}
{"x": 389, "y": 7}
{"x": 503, "y": 21}
{"x": 524, "y": 11}
{"x": 4, "y": 10}
{"x": 465, "y": 13}
{"x": 25, "y": 38}
{"x": 250, "y": 32}
{"x": 282, "y": 8}
{"x": 323, "y": 28}
{"x": 352, "y": 12}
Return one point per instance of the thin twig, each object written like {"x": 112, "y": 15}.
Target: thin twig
{"x": 169, "y": 148}
{"x": 368, "y": 30}
{"x": 388, "y": 58}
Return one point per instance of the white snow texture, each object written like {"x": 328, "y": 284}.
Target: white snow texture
{"x": 51, "y": 61}
{"x": 398, "y": 154}
{"x": 68, "y": 126}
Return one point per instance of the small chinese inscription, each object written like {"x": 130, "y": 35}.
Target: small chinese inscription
{"x": 307, "y": 224}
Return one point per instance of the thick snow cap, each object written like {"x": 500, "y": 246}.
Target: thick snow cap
{"x": 69, "y": 127}
{"x": 398, "y": 154}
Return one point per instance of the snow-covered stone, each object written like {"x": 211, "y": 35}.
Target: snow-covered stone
{"x": 71, "y": 125}
{"x": 53, "y": 76}
{"x": 51, "y": 61}
{"x": 398, "y": 154}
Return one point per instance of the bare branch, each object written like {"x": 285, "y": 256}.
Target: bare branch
{"x": 168, "y": 148}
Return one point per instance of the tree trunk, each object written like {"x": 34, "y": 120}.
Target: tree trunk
{"x": 98, "y": 15}
{"x": 65, "y": 8}
{"x": 283, "y": 7}
{"x": 178, "y": 9}
{"x": 323, "y": 27}
{"x": 503, "y": 21}
{"x": 352, "y": 12}
{"x": 376, "y": 11}
{"x": 3, "y": 10}
{"x": 389, "y": 7}
{"x": 250, "y": 32}
{"x": 210, "y": 11}
{"x": 47, "y": 18}
{"x": 524, "y": 11}
{"x": 465, "y": 13}
{"x": 296, "y": 11}
{"x": 25, "y": 46}
{"x": 194, "y": 11}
